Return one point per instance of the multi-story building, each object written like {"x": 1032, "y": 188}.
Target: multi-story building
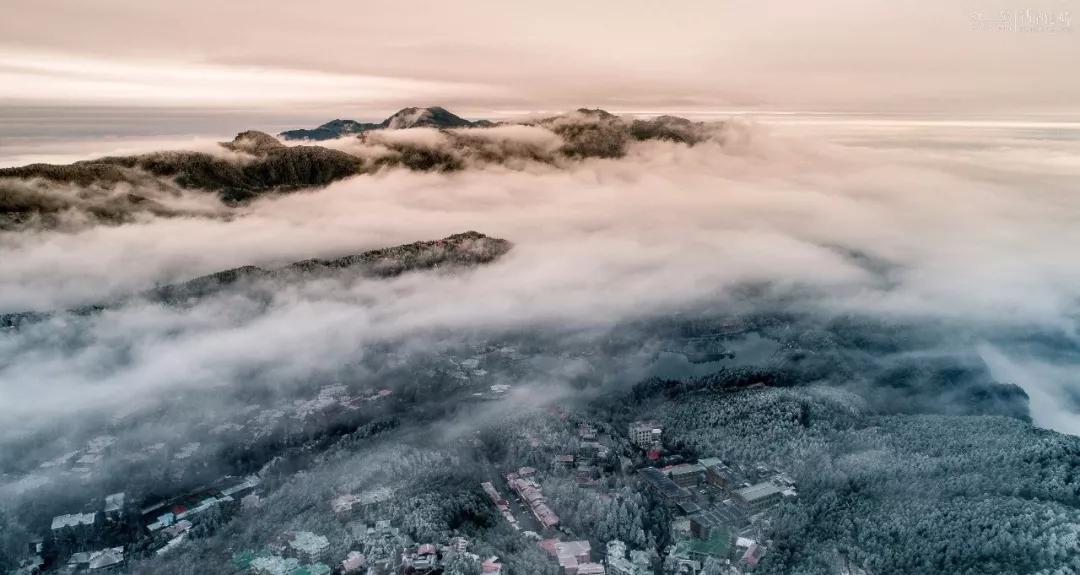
{"x": 664, "y": 486}
{"x": 645, "y": 434}
{"x": 720, "y": 475}
{"x": 760, "y": 496}
{"x": 685, "y": 474}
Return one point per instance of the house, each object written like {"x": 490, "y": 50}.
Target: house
{"x": 101, "y": 560}
{"x": 753, "y": 555}
{"x": 586, "y": 432}
{"x": 354, "y": 562}
{"x": 74, "y": 523}
{"x": 307, "y": 544}
{"x": 343, "y": 505}
{"x": 272, "y": 565}
{"x": 571, "y": 555}
{"x": 424, "y": 560}
{"x": 580, "y": 550}
{"x": 548, "y": 545}
{"x": 645, "y": 434}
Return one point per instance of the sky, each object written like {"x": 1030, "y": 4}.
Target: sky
{"x": 369, "y": 58}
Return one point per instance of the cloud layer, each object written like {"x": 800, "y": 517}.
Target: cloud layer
{"x": 967, "y": 234}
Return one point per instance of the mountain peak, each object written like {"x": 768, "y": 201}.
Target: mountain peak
{"x": 411, "y": 117}
{"x": 253, "y": 142}
{"x": 432, "y": 117}
{"x": 597, "y": 113}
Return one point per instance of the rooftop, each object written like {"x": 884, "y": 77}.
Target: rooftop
{"x": 353, "y": 561}
{"x": 684, "y": 468}
{"x": 308, "y": 542}
{"x": 758, "y": 491}
{"x": 249, "y": 482}
{"x": 106, "y": 557}
{"x": 73, "y": 520}
{"x": 114, "y": 502}
{"x": 717, "y": 545}
{"x": 662, "y": 483}
{"x": 590, "y": 569}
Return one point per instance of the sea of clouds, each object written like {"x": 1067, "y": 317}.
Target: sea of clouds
{"x": 969, "y": 224}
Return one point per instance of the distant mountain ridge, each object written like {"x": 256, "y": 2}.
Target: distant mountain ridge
{"x": 466, "y": 249}
{"x": 116, "y": 190}
{"x": 413, "y": 117}
{"x": 457, "y": 251}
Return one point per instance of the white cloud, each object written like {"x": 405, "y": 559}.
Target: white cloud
{"x": 981, "y": 237}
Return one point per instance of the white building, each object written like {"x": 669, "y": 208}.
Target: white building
{"x": 645, "y": 434}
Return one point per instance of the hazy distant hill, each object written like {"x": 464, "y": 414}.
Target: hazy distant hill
{"x": 461, "y": 250}
{"x": 117, "y": 189}
{"x": 123, "y": 189}
{"x": 458, "y": 250}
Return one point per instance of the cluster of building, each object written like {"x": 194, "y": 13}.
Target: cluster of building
{"x": 718, "y": 530}
{"x": 675, "y": 484}
{"x": 574, "y": 557}
{"x": 101, "y": 539}
{"x": 83, "y": 462}
{"x": 294, "y": 553}
{"x": 80, "y": 542}
{"x": 590, "y": 452}
{"x": 719, "y": 504}
{"x": 502, "y": 504}
{"x": 168, "y": 522}
{"x": 619, "y": 562}
{"x": 421, "y": 560}
{"x": 349, "y": 505}
{"x": 379, "y": 548}
{"x": 385, "y": 551}
{"x": 528, "y": 489}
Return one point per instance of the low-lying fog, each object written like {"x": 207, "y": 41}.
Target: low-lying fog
{"x": 965, "y": 223}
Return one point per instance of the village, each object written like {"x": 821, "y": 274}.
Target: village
{"x": 719, "y": 511}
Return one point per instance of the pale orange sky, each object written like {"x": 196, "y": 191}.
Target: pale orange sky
{"x": 624, "y": 54}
